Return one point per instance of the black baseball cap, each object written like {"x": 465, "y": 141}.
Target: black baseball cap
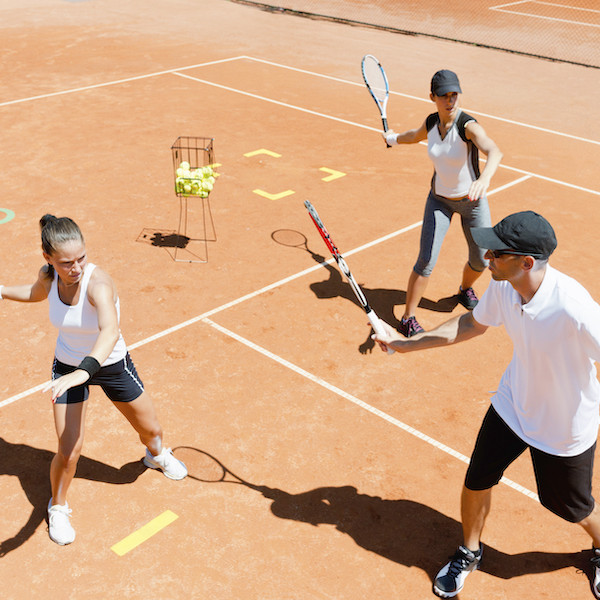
{"x": 526, "y": 233}
{"x": 445, "y": 81}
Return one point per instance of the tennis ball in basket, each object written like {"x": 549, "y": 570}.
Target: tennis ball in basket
{"x": 207, "y": 171}
{"x": 179, "y": 172}
{"x": 185, "y": 165}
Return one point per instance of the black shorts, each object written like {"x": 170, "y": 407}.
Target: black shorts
{"x": 120, "y": 382}
{"x": 564, "y": 483}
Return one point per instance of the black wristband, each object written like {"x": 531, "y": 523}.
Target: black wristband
{"x": 90, "y": 365}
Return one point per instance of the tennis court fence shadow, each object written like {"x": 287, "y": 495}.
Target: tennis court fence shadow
{"x": 399, "y": 530}
{"x": 32, "y": 467}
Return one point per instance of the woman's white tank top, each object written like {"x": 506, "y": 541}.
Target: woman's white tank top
{"x": 78, "y": 325}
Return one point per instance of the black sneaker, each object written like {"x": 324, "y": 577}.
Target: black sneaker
{"x": 409, "y": 327}
{"x": 596, "y": 562}
{"x": 467, "y": 298}
{"x": 451, "y": 579}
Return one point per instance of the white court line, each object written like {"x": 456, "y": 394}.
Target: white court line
{"x": 272, "y": 101}
{"x": 420, "y": 99}
{"x": 117, "y": 81}
{"x": 313, "y": 73}
{"x": 354, "y": 124}
{"x": 227, "y": 305}
{"x": 501, "y": 8}
{"x": 368, "y": 407}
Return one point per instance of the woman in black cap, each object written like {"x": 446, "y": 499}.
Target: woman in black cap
{"x": 454, "y": 139}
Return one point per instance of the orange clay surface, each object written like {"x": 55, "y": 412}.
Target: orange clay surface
{"x": 260, "y": 356}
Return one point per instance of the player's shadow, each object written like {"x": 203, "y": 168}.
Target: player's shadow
{"x": 383, "y": 301}
{"x": 32, "y": 467}
{"x": 406, "y": 532}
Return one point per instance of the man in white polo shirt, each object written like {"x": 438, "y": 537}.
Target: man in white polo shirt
{"x": 548, "y": 398}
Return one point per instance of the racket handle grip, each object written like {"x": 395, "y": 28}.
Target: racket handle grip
{"x": 378, "y": 327}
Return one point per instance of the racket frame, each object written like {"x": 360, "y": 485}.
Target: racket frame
{"x": 339, "y": 259}
{"x": 381, "y": 104}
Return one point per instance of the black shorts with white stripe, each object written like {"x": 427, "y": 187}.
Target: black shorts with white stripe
{"x": 119, "y": 381}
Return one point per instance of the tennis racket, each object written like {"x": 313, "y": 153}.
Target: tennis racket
{"x": 373, "y": 318}
{"x": 377, "y": 84}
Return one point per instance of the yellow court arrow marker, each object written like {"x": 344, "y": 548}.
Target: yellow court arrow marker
{"x": 263, "y": 151}
{"x": 333, "y": 174}
{"x": 274, "y": 196}
{"x": 144, "y": 533}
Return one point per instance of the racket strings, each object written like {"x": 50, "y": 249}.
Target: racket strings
{"x": 375, "y": 79}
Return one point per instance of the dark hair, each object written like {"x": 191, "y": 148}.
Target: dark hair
{"x": 55, "y": 232}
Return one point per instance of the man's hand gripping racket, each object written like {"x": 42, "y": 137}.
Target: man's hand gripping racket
{"x": 373, "y": 318}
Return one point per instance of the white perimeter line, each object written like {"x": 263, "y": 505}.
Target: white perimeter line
{"x": 501, "y": 8}
{"x": 313, "y": 73}
{"x": 118, "y": 81}
{"x": 379, "y": 413}
{"x": 354, "y": 124}
{"x": 470, "y": 111}
{"x": 223, "y": 307}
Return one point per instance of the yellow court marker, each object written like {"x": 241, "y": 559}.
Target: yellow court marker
{"x": 263, "y": 151}
{"x": 274, "y": 196}
{"x": 333, "y": 174}
{"x": 144, "y": 533}
{"x": 214, "y": 166}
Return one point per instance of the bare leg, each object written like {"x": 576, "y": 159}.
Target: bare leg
{"x": 142, "y": 416}
{"x": 475, "y": 507}
{"x": 469, "y": 277}
{"x": 417, "y": 284}
{"x": 591, "y": 524}
{"x": 69, "y": 420}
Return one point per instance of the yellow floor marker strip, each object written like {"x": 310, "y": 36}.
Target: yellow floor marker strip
{"x": 263, "y": 151}
{"x": 144, "y": 533}
{"x": 274, "y": 196}
{"x": 333, "y": 174}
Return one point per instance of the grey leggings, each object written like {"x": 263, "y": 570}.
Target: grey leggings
{"x": 436, "y": 221}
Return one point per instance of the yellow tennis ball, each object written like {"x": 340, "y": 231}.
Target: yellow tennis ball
{"x": 185, "y": 165}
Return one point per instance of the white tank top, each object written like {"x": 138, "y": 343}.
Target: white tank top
{"x": 77, "y": 324}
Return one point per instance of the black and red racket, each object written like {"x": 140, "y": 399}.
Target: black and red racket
{"x": 373, "y": 318}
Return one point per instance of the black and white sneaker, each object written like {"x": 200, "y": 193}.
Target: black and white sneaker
{"x": 451, "y": 579}
{"x": 596, "y": 563}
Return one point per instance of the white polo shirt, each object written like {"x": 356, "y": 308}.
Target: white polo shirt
{"x": 549, "y": 395}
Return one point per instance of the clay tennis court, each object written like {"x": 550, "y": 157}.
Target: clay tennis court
{"x": 260, "y": 356}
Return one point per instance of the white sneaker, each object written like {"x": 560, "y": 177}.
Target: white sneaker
{"x": 59, "y": 524}
{"x": 172, "y": 467}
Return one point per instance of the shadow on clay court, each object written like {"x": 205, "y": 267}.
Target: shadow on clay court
{"x": 32, "y": 467}
{"x": 383, "y": 301}
{"x": 403, "y": 531}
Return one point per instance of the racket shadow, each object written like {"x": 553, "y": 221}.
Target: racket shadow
{"x": 399, "y": 530}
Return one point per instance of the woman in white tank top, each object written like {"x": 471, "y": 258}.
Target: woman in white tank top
{"x": 90, "y": 350}
{"x": 453, "y": 143}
